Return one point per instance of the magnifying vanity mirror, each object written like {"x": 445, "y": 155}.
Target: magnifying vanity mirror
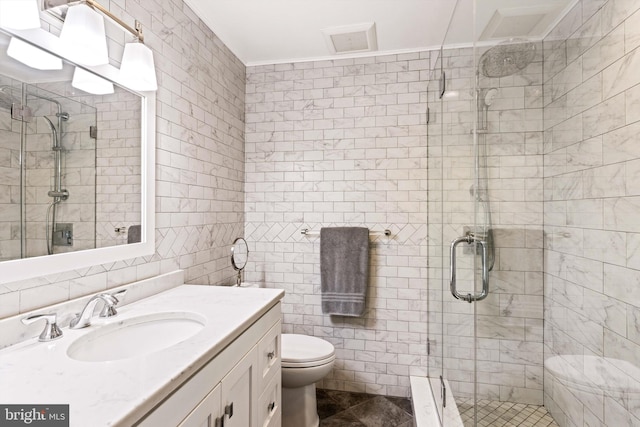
{"x": 239, "y": 257}
{"x": 76, "y": 168}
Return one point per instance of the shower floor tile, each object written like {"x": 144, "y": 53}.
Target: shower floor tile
{"x": 505, "y": 414}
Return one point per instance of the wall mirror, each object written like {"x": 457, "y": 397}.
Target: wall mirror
{"x": 77, "y": 166}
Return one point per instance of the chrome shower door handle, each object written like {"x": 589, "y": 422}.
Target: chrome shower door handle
{"x": 469, "y": 239}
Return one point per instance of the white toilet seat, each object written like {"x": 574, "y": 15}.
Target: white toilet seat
{"x": 308, "y": 364}
{"x": 303, "y": 351}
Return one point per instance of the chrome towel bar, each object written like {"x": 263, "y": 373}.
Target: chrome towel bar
{"x": 307, "y": 232}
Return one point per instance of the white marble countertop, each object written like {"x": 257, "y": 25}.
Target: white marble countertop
{"x": 108, "y": 393}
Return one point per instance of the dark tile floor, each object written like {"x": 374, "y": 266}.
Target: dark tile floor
{"x": 345, "y": 409}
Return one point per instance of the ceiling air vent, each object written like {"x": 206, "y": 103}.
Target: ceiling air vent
{"x": 519, "y": 22}
{"x": 352, "y": 38}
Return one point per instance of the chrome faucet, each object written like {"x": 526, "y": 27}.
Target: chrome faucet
{"x": 109, "y": 310}
{"x": 51, "y": 331}
{"x": 83, "y": 319}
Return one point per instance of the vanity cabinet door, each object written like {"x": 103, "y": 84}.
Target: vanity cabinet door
{"x": 208, "y": 413}
{"x": 240, "y": 393}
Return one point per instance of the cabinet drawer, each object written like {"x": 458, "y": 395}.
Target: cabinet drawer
{"x": 269, "y": 409}
{"x": 269, "y": 356}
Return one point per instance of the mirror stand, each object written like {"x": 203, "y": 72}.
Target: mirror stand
{"x": 239, "y": 257}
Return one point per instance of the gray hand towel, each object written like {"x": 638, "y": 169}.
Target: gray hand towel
{"x": 344, "y": 270}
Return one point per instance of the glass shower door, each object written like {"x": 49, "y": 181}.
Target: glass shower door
{"x": 436, "y": 285}
{"x": 491, "y": 218}
{"x": 466, "y": 241}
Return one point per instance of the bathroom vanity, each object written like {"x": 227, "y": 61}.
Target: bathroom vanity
{"x": 188, "y": 356}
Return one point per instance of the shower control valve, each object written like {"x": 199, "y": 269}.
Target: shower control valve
{"x": 62, "y": 194}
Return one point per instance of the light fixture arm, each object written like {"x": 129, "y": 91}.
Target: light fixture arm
{"x": 136, "y": 31}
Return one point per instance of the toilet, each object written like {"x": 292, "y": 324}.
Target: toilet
{"x": 305, "y": 361}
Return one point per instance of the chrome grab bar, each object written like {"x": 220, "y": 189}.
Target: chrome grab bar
{"x": 469, "y": 239}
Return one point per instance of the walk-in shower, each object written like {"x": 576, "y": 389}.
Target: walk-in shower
{"x": 476, "y": 312}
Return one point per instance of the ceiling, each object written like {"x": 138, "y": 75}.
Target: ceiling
{"x": 279, "y": 31}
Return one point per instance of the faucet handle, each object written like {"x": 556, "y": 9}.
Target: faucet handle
{"x": 51, "y": 330}
{"x": 109, "y": 310}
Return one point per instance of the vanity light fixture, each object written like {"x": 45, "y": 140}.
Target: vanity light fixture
{"x": 32, "y": 56}
{"x": 90, "y": 83}
{"x": 19, "y": 14}
{"x": 83, "y": 36}
{"x": 137, "y": 70}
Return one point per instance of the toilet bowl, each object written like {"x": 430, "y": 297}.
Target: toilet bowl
{"x": 305, "y": 361}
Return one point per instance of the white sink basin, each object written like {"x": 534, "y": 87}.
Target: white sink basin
{"x": 136, "y": 336}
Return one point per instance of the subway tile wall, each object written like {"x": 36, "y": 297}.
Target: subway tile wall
{"x": 200, "y": 160}
{"x": 345, "y": 142}
{"x": 339, "y": 143}
{"x": 592, "y": 277}
{"x": 118, "y": 167}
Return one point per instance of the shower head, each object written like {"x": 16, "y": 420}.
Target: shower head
{"x": 52, "y": 128}
{"x": 490, "y": 96}
{"x": 507, "y": 58}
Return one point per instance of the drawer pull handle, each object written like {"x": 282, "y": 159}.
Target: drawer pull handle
{"x": 271, "y": 355}
{"x": 272, "y": 406}
{"x": 228, "y": 410}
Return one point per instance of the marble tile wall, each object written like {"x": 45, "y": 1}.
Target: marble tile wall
{"x": 338, "y": 143}
{"x": 345, "y": 143}
{"x": 118, "y": 173}
{"x": 508, "y": 323}
{"x": 200, "y": 160}
{"x": 592, "y": 303}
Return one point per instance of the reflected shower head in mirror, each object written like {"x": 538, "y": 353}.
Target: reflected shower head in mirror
{"x": 507, "y": 58}
{"x": 55, "y": 143}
